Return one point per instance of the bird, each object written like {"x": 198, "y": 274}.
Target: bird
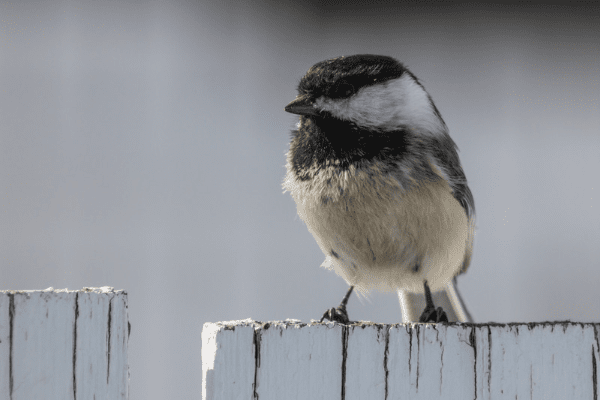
{"x": 377, "y": 180}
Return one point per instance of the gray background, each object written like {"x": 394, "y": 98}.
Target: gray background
{"x": 142, "y": 147}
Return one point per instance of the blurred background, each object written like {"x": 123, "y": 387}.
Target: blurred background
{"x": 142, "y": 146}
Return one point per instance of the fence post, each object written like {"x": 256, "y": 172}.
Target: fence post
{"x": 293, "y": 360}
{"x": 62, "y": 344}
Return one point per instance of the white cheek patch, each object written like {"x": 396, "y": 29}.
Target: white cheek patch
{"x": 397, "y": 104}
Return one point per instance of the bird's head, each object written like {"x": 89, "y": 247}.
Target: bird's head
{"x": 374, "y": 92}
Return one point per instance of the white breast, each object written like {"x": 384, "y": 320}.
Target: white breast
{"x": 374, "y": 232}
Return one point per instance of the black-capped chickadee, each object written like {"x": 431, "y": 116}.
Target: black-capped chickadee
{"x": 377, "y": 180}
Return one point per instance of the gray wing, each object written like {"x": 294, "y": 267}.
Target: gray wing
{"x": 446, "y": 153}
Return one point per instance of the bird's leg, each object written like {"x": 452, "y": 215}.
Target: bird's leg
{"x": 339, "y": 314}
{"x": 432, "y": 314}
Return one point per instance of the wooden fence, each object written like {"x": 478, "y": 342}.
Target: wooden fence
{"x": 293, "y": 360}
{"x": 61, "y": 344}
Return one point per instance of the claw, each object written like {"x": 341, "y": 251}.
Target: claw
{"x": 339, "y": 314}
{"x": 431, "y": 313}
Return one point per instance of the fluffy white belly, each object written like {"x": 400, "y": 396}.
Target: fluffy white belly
{"x": 377, "y": 235}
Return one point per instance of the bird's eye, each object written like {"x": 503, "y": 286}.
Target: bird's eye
{"x": 342, "y": 89}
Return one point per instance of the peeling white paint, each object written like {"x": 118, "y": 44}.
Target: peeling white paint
{"x": 294, "y": 360}
{"x": 64, "y": 344}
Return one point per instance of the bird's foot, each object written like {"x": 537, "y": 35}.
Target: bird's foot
{"x": 431, "y": 313}
{"x": 434, "y": 315}
{"x": 339, "y": 314}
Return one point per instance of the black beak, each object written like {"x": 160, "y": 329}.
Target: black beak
{"x": 302, "y": 105}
